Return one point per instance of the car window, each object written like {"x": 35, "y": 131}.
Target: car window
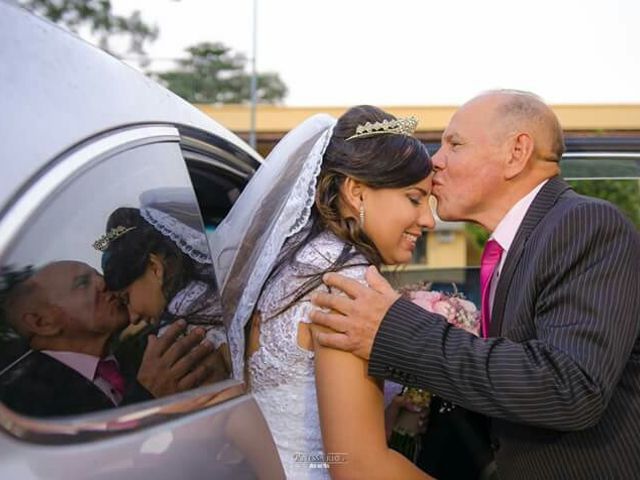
{"x": 116, "y": 253}
{"x": 612, "y": 177}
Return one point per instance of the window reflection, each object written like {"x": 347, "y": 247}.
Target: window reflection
{"x": 75, "y": 337}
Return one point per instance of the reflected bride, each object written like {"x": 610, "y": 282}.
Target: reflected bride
{"x": 162, "y": 270}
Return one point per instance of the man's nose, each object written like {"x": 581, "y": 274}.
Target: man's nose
{"x": 438, "y": 160}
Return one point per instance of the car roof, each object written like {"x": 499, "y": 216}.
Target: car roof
{"x": 59, "y": 90}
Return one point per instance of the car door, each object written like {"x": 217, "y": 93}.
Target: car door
{"x": 212, "y": 431}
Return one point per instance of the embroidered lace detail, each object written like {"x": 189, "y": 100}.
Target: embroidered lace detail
{"x": 192, "y": 242}
{"x": 281, "y": 373}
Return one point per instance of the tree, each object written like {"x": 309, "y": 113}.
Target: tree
{"x": 212, "y": 73}
{"x": 625, "y": 194}
{"x": 98, "y": 17}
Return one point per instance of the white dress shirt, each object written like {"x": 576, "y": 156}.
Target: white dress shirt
{"x": 506, "y": 231}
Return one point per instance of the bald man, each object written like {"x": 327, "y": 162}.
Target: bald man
{"x": 68, "y": 316}
{"x": 558, "y": 366}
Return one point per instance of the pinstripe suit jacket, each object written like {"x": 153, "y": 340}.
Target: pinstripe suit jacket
{"x": 560, "y": 376}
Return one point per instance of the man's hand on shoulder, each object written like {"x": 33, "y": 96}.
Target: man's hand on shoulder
{"x": 354, "y": 318}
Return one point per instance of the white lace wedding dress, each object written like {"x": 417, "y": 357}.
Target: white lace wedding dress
{"x": 281, "y": 373}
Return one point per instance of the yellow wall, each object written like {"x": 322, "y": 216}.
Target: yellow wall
{"x": 453, "y": 254}
{"x": 273, "y": 119}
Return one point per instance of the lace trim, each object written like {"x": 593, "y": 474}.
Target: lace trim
{"x": 189, "y": 240}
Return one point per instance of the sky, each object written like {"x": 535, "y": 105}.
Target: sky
{"x": 413, "y": 52}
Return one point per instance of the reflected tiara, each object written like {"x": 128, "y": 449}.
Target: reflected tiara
{"x": 399, "y": 126}
{"x": 103, "y": 242}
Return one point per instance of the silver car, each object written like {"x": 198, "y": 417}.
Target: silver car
{"x": 84, "y": 135}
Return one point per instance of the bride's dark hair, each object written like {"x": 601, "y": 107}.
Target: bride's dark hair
{"x": 379, "y": 161}
{"x": 127, "y": 257}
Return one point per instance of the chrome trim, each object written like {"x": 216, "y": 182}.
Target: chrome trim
{"x": 630, "y": 156}
{"x": 66, "y": 168}
{"x": 594, "y": 155}
{"x": 600, "y": 178}
{"x": 108, "y": 423}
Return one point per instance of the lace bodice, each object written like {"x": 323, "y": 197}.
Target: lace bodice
{"x": 281, "y": 373}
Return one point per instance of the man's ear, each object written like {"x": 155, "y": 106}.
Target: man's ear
{"x": 519, "y": 155}
{"x": 352, "y": 192}
{"x": 156, "y": 265}
{"x": 43, "y": 323}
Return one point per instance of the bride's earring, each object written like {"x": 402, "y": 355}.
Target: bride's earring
{"x": 362, "y": 215}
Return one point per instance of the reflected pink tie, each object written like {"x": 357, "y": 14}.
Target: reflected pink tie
{"x": 490, "y": 259}
{"x": 108, "y": 370}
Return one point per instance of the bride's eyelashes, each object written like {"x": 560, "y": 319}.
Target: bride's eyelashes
{"x": 416, "y": 199}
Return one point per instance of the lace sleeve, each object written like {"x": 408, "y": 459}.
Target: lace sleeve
{"x": 355, "y": 272}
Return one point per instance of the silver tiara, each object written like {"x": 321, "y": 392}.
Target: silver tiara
{"x": 103, "y": 242}
{"x": 400, "y": 126}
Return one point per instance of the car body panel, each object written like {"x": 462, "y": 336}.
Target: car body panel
{"x": 64, "y": 97}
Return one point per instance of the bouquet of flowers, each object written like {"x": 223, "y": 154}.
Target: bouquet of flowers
{"x": 411, "y": 419}
{"x": 458, "y": 311}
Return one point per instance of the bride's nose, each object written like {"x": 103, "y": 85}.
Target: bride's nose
{"x": 426, "y": 219}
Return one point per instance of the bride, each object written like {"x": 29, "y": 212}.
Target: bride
{"x": 332, "y": 196}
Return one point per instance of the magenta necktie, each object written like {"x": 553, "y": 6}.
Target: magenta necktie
{"x": 490, "y": 259}
{"x": 108, "y": 370}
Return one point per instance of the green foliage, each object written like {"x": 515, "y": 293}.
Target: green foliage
{"x": 625, "y": 194}
{"x": 212, "y": 73}
{"x": 98, "y": 17}
{"x": 476, "y": 234}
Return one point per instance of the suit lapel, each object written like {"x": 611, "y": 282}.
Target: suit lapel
{"x": 543, "y": 202}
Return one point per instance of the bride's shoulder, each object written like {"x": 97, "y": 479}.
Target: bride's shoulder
{"x": 323, "y": 251}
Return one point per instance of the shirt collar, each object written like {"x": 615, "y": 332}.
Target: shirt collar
{"x": 506, "y": 230}
{"x": 82, "y": 363}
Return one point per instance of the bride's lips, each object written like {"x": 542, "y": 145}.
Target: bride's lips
{"x": 411, "y": 238}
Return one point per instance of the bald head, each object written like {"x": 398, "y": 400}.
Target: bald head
{"x": 518, "y": 111}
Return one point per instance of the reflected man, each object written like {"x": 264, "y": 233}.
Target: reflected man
{"x": 69, "y": 318}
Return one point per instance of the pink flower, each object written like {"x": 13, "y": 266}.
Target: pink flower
{"x": 426, "y": 299}
{"x": 444, "y": 308}
{"x": 454, "y": 307}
